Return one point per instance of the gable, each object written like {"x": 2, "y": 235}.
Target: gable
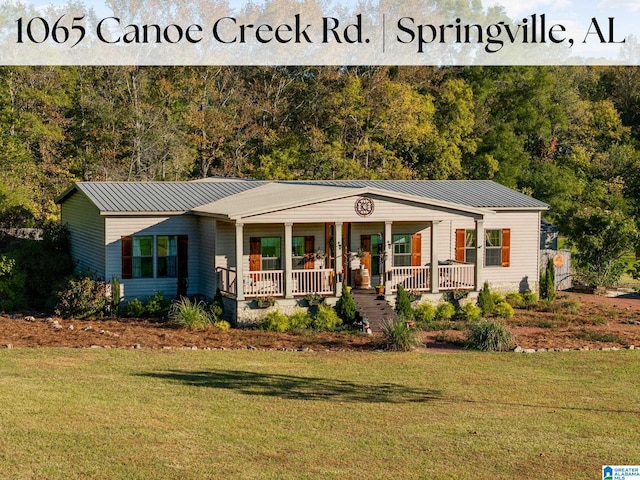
{"x": 345, "y": 210}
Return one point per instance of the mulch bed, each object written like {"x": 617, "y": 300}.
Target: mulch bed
{"x": 599, "y": 322}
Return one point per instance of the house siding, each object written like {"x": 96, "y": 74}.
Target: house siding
{"x": 525, "y": 231}
{"x": 86, "y": 228}
{"x": 344, "y": 209}
{"x": 117, "y": 227}
{"x": 207, "y": 264}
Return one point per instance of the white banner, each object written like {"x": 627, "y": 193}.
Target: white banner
{"x": 315, "y": 32}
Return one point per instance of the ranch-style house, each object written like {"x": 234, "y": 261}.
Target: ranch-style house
{"x": 288, "y": 239}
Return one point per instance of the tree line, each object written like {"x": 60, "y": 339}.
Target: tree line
{"x": 566, "y": 135}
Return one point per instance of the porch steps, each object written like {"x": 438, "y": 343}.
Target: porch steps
{"x": 372, "y": 307}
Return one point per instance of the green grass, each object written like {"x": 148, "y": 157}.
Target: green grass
{"x": 128, "y": 414}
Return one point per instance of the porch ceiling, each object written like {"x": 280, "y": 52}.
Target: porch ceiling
{"x": 274, "y": 197}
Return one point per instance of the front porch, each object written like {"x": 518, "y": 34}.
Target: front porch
{"x": 273, "y": 283}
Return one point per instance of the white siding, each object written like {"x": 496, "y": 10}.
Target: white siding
{"x": 525, "y": 241}
{"x": 207, "y": 233}
{"x": 86, "y": 228}
{"x": 344, "y": 210}
{"x": 225, "y": 245}
{"x": 117, "y": 227}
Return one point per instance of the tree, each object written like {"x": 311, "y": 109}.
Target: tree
{"x": 602, "y": 237}
{"x": 403, "y": 304}
{"x": 346, "y": 307}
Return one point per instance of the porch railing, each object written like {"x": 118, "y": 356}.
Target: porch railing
{"x": 452, "y": 277}
{"x": 411, "y": 278}
{"x": 320, "y": 281}
{"x": 263, "y": 283}
{"x": 227, "y": 280}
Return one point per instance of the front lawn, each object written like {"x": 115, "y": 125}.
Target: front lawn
{"x": 87, "y": 413}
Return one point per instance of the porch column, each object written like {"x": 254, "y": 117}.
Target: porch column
{"x": 388, "y": 256}
{"x": 239, "y": 261}
{"x": 435, "y": 276}
{"x": 479, "y": 253}
{"x": 339, "y": 260}
{"x": 288, "y": 261}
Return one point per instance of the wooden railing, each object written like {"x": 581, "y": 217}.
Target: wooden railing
{"x": 411, "y": 278}
{"x": 313, "y": 281}
{"x": 452, "y": 277}
{"x": 263, "y": 283}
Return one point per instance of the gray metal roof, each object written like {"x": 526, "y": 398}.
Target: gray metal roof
{"x": 157, "y": 196}
{"x": 185, "y": 196}
{"x": 474, "y": 193}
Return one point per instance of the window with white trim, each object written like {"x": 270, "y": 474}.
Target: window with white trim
{"x": 402, "y": 250}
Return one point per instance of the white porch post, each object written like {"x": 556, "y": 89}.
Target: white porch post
{"x": 479, "y": 253}
{"x": 339, "y": 260}
{"x": 388, "y": 256}
{"x": 288, "y": 261}
{"x": 239, "y": 261}
{"x": 435, "y": 276}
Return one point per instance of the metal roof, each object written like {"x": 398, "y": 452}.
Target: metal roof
{"x": 150, "y": 197}
{"x": 278, "y": 196}
{"x": 475, "y": 193}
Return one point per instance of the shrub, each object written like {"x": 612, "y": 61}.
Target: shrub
{"x": 217, "y": 306}
{"x": 46, "y": 266}
{"x": 514, "y": 299}
{"x": 346, "y": 307}
{"x": 135, "y": 308}
{"x": 398, "y": 337}
{"x": 490, "y": 336}
{"x": 469, "y": 313}
{"x": 11, "y": 285}
{"x": 115, "y": 295}
{"x": 529, "y": 300}
{"x": 424, "y": 313}
{"x": 497, "y": 298}
{"x": 190, "y": 314}
{"x": 503, "y": 310}
{"x": 274, "y": 322}
{"x": 547, "y": 281}
{"x": 300, "y": 320}
{"x": 403, "y": 304}
{"x": 83, "y": 297}
{"x": 485, "y": 300}
{"x": 222, "y": 325}
{"x": 445, "y": 311}
{"x": 326, "y": 318}
{"x": 157, "y": 305}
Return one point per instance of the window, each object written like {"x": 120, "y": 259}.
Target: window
{"x": 167, "y": 254}
{"x": 493, "y": 248}
{"x": 270, "y": 253}
{"x": 497, "y": 245}
{"x": 402, "y": 250}
{"x": 470, "y": 246}
{"x": 298, "y": 253}
{"x": 148, "y": 256}
{"x": 143, "y": 257}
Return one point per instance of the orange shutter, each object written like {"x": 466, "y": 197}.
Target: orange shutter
{"x": 460, "y": 238}
{"x": 127, "y": 257}
{"x": 506, "y": 247}
{"x": 416, "y": 249}
{"x": 254, "y": 254}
